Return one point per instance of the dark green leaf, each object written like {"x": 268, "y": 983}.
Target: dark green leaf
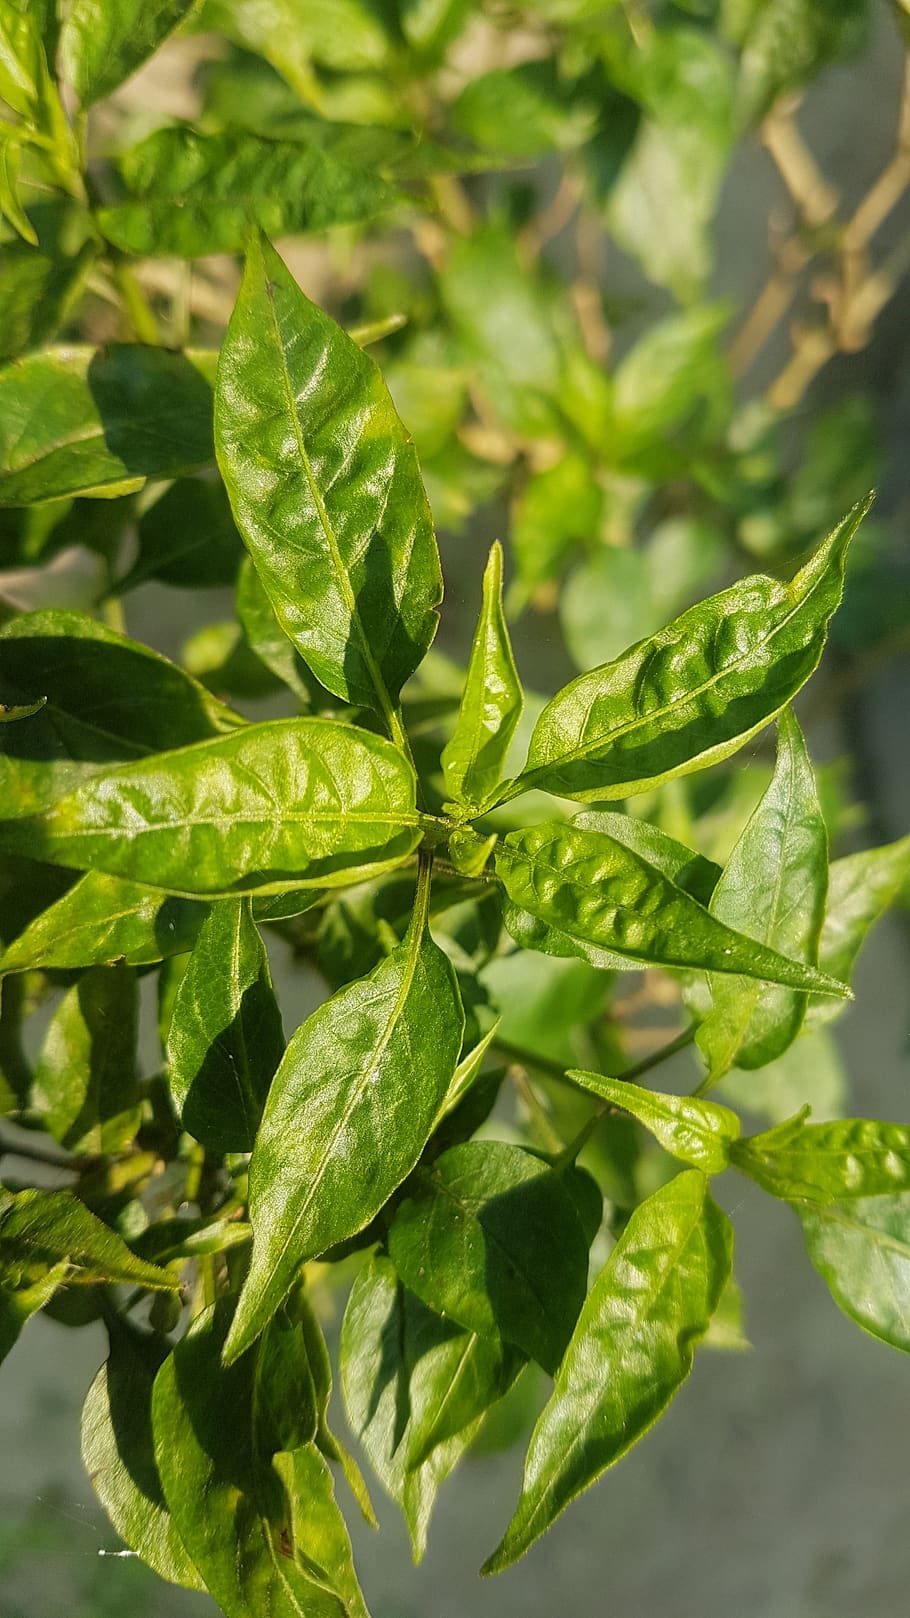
{"x": 187, "y": 538}
{"x": 101, "y": 920}
{"x": 490, "y": 1238}
{"x": 326, "y": 490}
{"x": 849, "y": 1157}
{"x": 631, "y": 1351}
{"x": 861, "y": 1250}
{"x": 861, "y": 888}
{"x": 36, "y": 292}
{"x": 78, "y": 421}
{"x": 225, "y": 1039}
{"x": 287, "y": 804}
{"x": 697, "y": 1132}
{"x": 694, "y": 693}
{"x": 301, "y": 1311}
{"x": 473, "y": 758}
{"x": 266, "y": 637}
{"x": 100, "y": 46}
{"x": 86, "y": 1086}
{"x": 41, "y": 1229}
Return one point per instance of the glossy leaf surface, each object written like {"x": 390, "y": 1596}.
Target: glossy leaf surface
{"x": 86, "y": 1084}
{"x": 861, "y": 1250}
{"x": 285, "y": 804}
{"x": 848, "y": 1157}
{"x": 101, "y": 920}
{"x": 490, "y": 1238}
{"x": 694, "y": 693}
{"x": 630, "y": 1353}
{"x": 225, "y": 1039}
{"x": 100, "y": 46}
{"x": 473, "y": 758}
{"x": 326, "y": 490}
{"x": 697, "y": 1132}
{"x": 42, "y": 1229}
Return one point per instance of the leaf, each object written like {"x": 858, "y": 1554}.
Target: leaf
{"x": 301, "y": 1310}
{"x": 102, "y": 920}
{"x": 350, "y": 1110}
{"x": 86, "y": 1086}
{"x": 694, "y": 693}
{"x": 473, "y": 758}
{"x": 346, "y": 35}
{"x": 631, "y": 1351}
{"x": 861, "y": 888}
{"x": 37, "y": 290}
{"x": 225, "y": 1039}
{"x": 233, "y": 1447}
{"x": 10, "y": 203}
{"x": 80, "y": 421}
{"x": 187, "y": 538}
{"x": 592, "y": 890}
{"x": 8, "y": 715}
{"x": 660, "y": 381}
{"x": 291, "y": 803}
{"x": 43, "y": 1229}
{"x": 785, "y": 43}
{"x": 695, "y": 1131}
{"x": 119, "y": 1456}
{"x": 266, "y": 637}
{"x": 194, "y": 193}
{"x": 416, "y": 1389}
{"x": 830, "y": 1162}
{"x": 772, "y": 889}
{"x": 100, "y": 46}
{"x": 21, "y": 1298}
{"x": 525, "y": 111}
{"x": 489, "y": 1237}
{"x": 682, "y": 866}
{"x": 810, "y": 1071}
{"x": 326, "y": 490}
{"x": 861, "y": 1250}
{"x": 106, "y": 698}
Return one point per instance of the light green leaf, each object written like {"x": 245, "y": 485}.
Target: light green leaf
{"x": 694, "y": 693}
{"x": 861, "y": 888}
{"x": 861, "y": 1250}
{"x": 811, "y": 1070}
{"x": 783, "y": 44}
{"x": 43, "y": 1229}
{"x": 469, "y": 851}
{"x": 301, "y": 1311}
{"x": 86, "y": 1086}
{"x": 587, "y": 888}
{"x": 631, "y": 1351}
{"x": 102, "y": 920}
{"x": 292, "y": 803}
{"x": 697, "y": 1132}
{"x": 225, "y": 1039}
{"x": 10, "y": 713}
{"x": 525, "y": 111}
{"x": 326, "y": 490}
{"x": 830, "y": 1162}
{"x": 490, "y": 1238}
{"x": 349, "y": 1113}
{"x": 10, "y": 202}
{"x": 559, "y": 507}
{"x": 773, "y": 890}
{"x": 346, "y": 35}
{"x": 473, "y": 758}
{"x": 660, "y": 381}
{"x": 22, "y": 1296}
{"x": 101, "y": 45}
{"x": 119, "y": 1456}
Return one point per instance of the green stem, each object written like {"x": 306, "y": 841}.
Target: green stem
{"x": 136, "y": 304}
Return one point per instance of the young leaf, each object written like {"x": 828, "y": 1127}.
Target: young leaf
{"x": 292, "y": 803}
{"x": 861, "y": 888}
{"x": 849, "y": 1157}
{"x": 22, "y": 1295}
{"x": 861, "y": 1249}
{"x": 326, "y": 490}
{"x": 490, "y": 1238}
{"x": 86, "y": 1086}
{"x": 473, "y": 758}
{"x": 100, "y": 46}
{"x": 225, "y": 1039}
{"x": 119, "y": 1454}
{"x": 694, "y": 693}
{"x": 349, "y": 1112}
{"x": 773, "y": 890}
{"x": 592, "y": 890}
{"x": 697, "y": 1132}
{"x": 631, "y": 1351}
{"x": 102, "y": 920}
{"x": 80, "y": 421}
{"x": 416, "y": 1389}
{"x": 42, "y": 1229}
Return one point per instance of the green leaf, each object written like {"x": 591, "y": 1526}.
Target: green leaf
{"x": 861, "y": 1250}
{"x": 292, "y": 803}
{"x": 660, "y": 381}
{"x": 811, "y": 1070}
{"x": 266, "y": 637}
{"x": 80, "y": 421}
{"x": 346, "y": 35}
{"x": 10, "y": 202}
{"x": 785, "y": 44}
{"x": 102, "y": 920}
{"x": 849, "y": 1157}
{"x": 329, "y": 1444}
{"x": 100, "y": 46}
{"x": 694, "y": 693}
{"x": 9, "y": 714}
{"x": 631, "y": 1351}
{"x": 86, "y": 1086}
{"x": 225, "y": 1039}
{"x": 861, "y": 888}
{"x": 326, "y": 490}
{"x": 249, "y": 1493}
{"x": 473, "y": 758}
{"x": 187, "y": 538}
{"x": 682, "y": 866}
{"x": 194, "y": 193}
{"x": 589, "y": 889}
{"x": 106, "y": 699}
{"x": 559, "y": 507}
{"x": 525, "y": 111}
{"x": 772, "y": 889}
{"x": 119, "y": 1455}
{"x": 416, "y": 1389}
{"x": 490, "y": 1238}
{"x": 43, "y": 1229}
{"x": 697, "y": 1132}
{"x": 20, "y": 1298}
{"x": 37, "y": 290}
{"x": 350, "y": 1110}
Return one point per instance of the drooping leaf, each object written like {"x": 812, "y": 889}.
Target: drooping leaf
{"x": 101, "y": 920}
{"x": 473, "y": 757}
{"x": 100, "y": 46}
{"x": 290, "y": 803}
{"x": 695, "y": 1131}
{"x": 416, "y": 1389}
{"x": 119, "y": 1455}
{"x": 326, "y": 490}
{"x": 225, "y": 1040}
{"x": 81, "y": 421}
{"x": 773, "y": 890}
{"x": 86, "y": 1085}
{"x": 490, "y": 1238}
{"x": 861, "y": 887}
{"x": 861, "y": 1249}
{"x": 830, "y": 1162}
{"x": 42, "y": 1229}
{"x": 631, "y": 1351}
{"x": 694, "y": 693}
{"x": 349, "y": 1112}
{"x": 590, "y": 889}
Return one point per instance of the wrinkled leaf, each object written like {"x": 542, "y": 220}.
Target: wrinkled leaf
{"x": 473, "y": 757}
{"x": 849, "y": 1157}
{"x": 102, "y": 920}
{"x": 697, "y": 1132}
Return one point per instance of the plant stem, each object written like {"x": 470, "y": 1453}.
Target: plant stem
{"x": 630, "y": 1075}
{"x": 136, "y": 304}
